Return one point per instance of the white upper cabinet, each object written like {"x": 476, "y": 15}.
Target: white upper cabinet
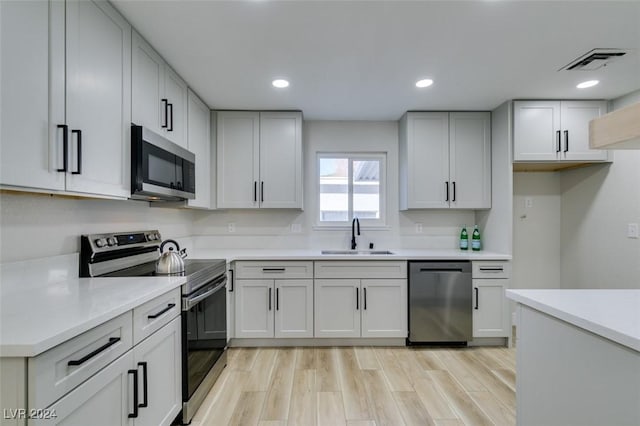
{"x": 555, "y": 131}
{"x": 66, "y": 106}
{"x": 445, "y": 160}
{"x": 259, "y": 157}
{"x": 199, "y": 142}
{"x": 31, "y": 146}
{"x": 159, "y": 95}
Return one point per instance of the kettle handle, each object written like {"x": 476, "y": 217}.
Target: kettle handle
{"x": 169, "y": 241}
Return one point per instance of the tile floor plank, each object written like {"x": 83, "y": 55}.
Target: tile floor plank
{"x": 460, "y": 371}
{"x": 464, "y": 406}
{"x": 276, "y": 406}
{"x": 248, "y": 408}
{"x": 260, "y": 375}
{"x": 435, "y": 402}
{"x": 306, "y": 359}
{"x": 327, "y": 374}
{"x": 412, "y": 410}
{"x": 330, "y": 409}
{"x": 381, "y": 399}
{"x": 396, "y": 377}
{"x": 507, "y": 376}
{"x": 222, "y": 409}
{"x": 243, "y": 359}
{"x": 499, "y": 413}
{"x": 302, "y": 411}
{"x": 354, "y": 396}
{"x": 367, "y": 359}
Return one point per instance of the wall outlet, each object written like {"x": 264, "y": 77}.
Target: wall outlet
{"x": 418, "y": 228}
{"x": 231, "y": 227}
{"x": 528, "y": 202}
{"x": 632, "y": 230}
{"x": 296, "y": 228}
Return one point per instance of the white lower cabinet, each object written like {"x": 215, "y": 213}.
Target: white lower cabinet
{"x": 361, "y": 308}
{"x": 101, "y": 401}
{"x": 158, "y": 362}
{"x": 490, "y": 306}
{"x": 274, "y": 308}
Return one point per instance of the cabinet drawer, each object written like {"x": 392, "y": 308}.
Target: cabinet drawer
{"x": 361, "y": 269}
{"x": 154, "y": 314}
{"x": 491, "y": 269}
{"x": 274, "y": 270}
{"x": 60, "y": 369}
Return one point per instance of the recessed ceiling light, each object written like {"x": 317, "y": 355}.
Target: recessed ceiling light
{"x": 586, "y": 84}
{"x": 280, "y": 84}
{"x": 424, "y": 83}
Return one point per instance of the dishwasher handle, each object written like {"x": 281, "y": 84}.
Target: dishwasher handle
{"x": 441, "y": 270}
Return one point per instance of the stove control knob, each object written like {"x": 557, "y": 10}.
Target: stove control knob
{"x": 101, "y": 242}
{"x": 157, "y": 236}
{"x": 151, "y": 237}
{"x": 112, "y": 241}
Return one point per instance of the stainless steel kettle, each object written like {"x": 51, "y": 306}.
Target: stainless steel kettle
{"x": 170, "y": 262}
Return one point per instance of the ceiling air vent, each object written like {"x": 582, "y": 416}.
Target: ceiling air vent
{"x": 595, "y": 59}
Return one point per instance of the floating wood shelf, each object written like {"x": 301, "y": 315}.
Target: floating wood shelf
{"x": 619, "y": 129}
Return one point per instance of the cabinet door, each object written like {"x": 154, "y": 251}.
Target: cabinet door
{"x": 30, "y": 145}
{"x": 254, "y": 308}
{"x": 428, "y": 160}
{"x": 238, "y": 159}
{"x": 337, "y": 308}
{"x": 384, "y": 308}
{"x": 159, "y": 362}
{"x": 98, "y": 98}
{"x": 575, "y": 118}
{"x": 175, "y": 91}
{"x": 536, "y": 127}
{"x": 470, "y": 160}
{"x": 294, "y": 308}
{"x": 147, "y": 86}
{"x": 104, "y": 400}
{"x": 199, "y": 142}
{"x": 490, "y": 316}
{"x": 281, "y": 160}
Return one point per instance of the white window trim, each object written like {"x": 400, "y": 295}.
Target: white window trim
{"x": 380, "y": 223}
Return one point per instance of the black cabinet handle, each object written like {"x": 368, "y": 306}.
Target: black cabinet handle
{"x": 566, "y": 140}
{"x": 170, "y": 127}
{"x": 273, "y": 269}
{"x": 365, "y": 298}
{"x": 112, "y": 341}
{"x": 446, "y": 185}
{"x": 79, "y": 139}
{"x": 357, "y": 298}
{"x": 558, "y": 143}
{"x": 135, "y": 393}
{"x": 277, "y": 299}
{"x": 476, "y": 289}
{"x": 145, "y": 384}
{"x": 255, "y": 191}
{"x": 454, "y": 192}
{"x": 262, "y": 191}
{"x": 231, "y": 281}
{"x": 65, "y": 146}
{"x": 269, "y": 298}
{"x": 166, "y": 113}
{"x": 167, "y": 309}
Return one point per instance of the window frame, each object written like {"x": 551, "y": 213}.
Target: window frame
{"x": 381, "y": 157}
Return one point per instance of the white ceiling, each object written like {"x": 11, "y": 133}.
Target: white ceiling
{"x": 359, "y": 60}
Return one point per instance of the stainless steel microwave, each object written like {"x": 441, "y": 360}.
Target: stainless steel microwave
{"x": 160, "y": 169}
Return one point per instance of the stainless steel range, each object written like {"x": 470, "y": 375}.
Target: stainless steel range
{"x": 204, "y": 305}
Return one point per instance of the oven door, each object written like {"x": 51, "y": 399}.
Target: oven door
{"x": 204, "y": 333}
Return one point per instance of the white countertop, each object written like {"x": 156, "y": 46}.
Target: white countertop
{"x": 612, "y": 314}
{"x": 315, "y": 254}
{"x": 43, "y": 305}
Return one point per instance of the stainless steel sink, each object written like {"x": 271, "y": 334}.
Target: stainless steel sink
{"x": 357, "y": 252}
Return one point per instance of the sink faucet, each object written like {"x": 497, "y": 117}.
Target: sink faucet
{"x": 354, "y": 222}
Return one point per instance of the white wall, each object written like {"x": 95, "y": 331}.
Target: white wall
{"x": 272, "y": 229}
{"x": 536, "y": 230}
{"x": 33, "y": 226}
{"x": 597, "y": 204}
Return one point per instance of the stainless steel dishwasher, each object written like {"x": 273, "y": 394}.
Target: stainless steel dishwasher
{"x": 440, "y": 302}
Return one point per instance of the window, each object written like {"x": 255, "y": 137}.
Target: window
{"x": 351, "y": 185}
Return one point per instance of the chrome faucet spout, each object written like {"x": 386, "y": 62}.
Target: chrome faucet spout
{"x": 355, "y": 222}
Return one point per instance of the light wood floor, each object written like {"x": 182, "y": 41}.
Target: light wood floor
{"x": 363, "y": 386}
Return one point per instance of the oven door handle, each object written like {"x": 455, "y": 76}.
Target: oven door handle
{"x": 190, "y": 302}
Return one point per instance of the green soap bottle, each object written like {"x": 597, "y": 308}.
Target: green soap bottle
{"x": 464, "y": 239}
{"x": 475, "y": 239}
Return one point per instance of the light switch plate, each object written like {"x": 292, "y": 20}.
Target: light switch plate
{"x": 632, "y": 230}
{"x": 296, "y": 228}
{"x": 528, "y": 202}
{"x": 418, "y": 228}
{"x": 231, "y": 227}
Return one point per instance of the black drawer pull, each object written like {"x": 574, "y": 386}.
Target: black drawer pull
{"x": 167, "y": 309}
{"x": 494, "y": 269}
{"x": 476, "y": 289}
{"x": 112, "y": 341}
{"x": 79, "y": 139}
{"x": 166, "y": 113}
{"x": 273, "y": 269}
{"x": 231, "y": 281}
{"x": 170, "y": 126}
{"x": 65, "y": 147}
{"x": 145, "y": 385}
{"x": 135, "y": 393}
